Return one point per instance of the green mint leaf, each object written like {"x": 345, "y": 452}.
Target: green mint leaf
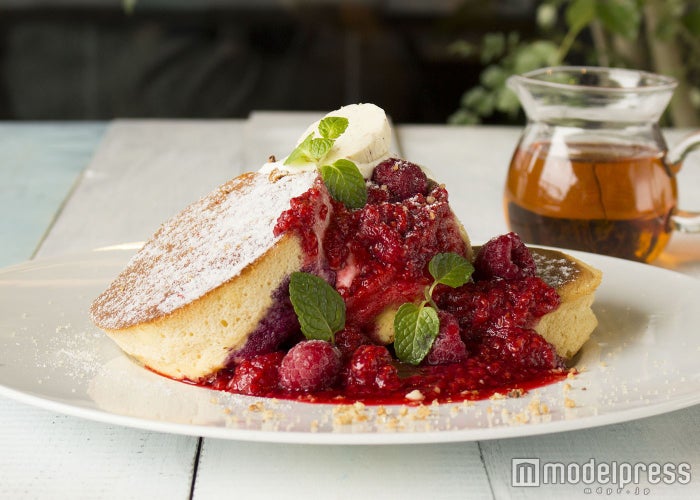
{"x": 319, "y": 148}
{"x": 415, "y": 330}
{"x": 332, "y": 127}
{"x": 450, "y": 269}
{"x": 302, "y": 153}
{"x": 320, "y": 309}
{"x": 345, "y": 183}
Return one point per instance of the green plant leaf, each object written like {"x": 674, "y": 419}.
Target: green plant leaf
{"x": 450, "y": 269}
{"x": 534, "y": 55}
{"x": 320, "y": 309}
{"x": 667, "y": 27}
{"x": 512, "y": 40}
{"x": 463, "y": 117}
{"x": 479, "y": 100}
{"x": 493, "y": 45}
{"x": 546, "y": 51}
{"x": 493, "y": 77}
{"x": 507, "y": 102}
{"x": 319, "y": 148}
{"x": 546, "y": 16}
{"x": 415, "y": 330}
{"x": 332, "y": 127}
{"x": 692, "y": 21}
{"x": 620, "y": 16}
{"x": 462, "y": 48}
{"x": 129, "y": 6}
{"x": 301, "y": 154}
{"x": 345, "y": 183}
{"x": 580, "y": 13}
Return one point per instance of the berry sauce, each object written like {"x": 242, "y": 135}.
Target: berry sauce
{"x": 377, "y": 258}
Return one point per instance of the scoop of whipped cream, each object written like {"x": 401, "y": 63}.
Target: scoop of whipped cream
{"x": 366, "y": 142}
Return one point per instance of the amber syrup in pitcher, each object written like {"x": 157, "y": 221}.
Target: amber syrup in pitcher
{"x": 603, "y": 198}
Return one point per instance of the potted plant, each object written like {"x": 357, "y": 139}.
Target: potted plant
{"x": 662, "y": 36}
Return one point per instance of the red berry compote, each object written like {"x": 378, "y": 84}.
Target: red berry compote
{"x": 376, "y": 258}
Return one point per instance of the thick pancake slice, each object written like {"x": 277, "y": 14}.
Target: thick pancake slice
{"x": 176, "y": 307}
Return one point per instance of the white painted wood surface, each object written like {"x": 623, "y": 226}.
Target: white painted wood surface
{"x": 142, "y": 172}
{"x": 39, "y": 163}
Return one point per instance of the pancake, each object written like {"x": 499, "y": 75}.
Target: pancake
{"x": 201, "y": 286}
{"x": 569, "y": 326}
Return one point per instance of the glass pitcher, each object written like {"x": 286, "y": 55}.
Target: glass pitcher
{"x": 592, "y": 171}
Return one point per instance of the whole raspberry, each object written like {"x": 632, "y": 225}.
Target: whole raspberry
{"x": 402, "y": 179}
{"x": 448, "y": 346}
{"x": 505, "y": 257}
{"x": 371, "y": 368}
{"x": 257, "y": 376}
{"x": 349, "y": 339}
{"x": 311, "y": 365}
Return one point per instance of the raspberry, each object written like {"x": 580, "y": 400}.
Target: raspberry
{"x": 348, "y": 340}
{"x": 258, "y": 375}
{"x": 311, "y": 365}
{"x": 402, "y": 179}
{"x": 506, "y": 257}
{"x": 448, "y": 346}
{"x": 371, "y": 368}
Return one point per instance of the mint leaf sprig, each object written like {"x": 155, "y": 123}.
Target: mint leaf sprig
{"x": 343, "y": 179}
{"x": 416, "y": 326}
{"x": 315, "y": 149}
{"x": 318, "y": 306}
{"x": 310, "y": 150}
{"x": 345, "y": 183}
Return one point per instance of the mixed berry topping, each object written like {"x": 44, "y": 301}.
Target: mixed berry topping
{"x": 376, "y": 258}
{"x": 481, "y": 304}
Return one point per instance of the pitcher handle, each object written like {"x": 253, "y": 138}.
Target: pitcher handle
{"x": 684, "y": 221}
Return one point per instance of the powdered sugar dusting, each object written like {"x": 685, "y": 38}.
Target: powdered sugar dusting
{"x": 554, "y": 269}
{"x": 207, "y": 244}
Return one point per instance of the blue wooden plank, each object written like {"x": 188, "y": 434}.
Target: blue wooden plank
{"x": 39, "y": 163}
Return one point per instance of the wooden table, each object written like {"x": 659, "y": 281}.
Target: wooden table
{"x": 68, "y": 188}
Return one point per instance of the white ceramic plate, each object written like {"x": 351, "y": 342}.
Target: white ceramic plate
{"x": 641, "y": 361}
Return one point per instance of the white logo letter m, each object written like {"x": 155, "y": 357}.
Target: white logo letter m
{"x": 525, "y": 472}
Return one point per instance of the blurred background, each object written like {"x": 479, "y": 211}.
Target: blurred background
{"x": 424, "y": 61}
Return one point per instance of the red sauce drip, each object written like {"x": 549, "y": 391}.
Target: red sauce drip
{"x": 469, "y": 380}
